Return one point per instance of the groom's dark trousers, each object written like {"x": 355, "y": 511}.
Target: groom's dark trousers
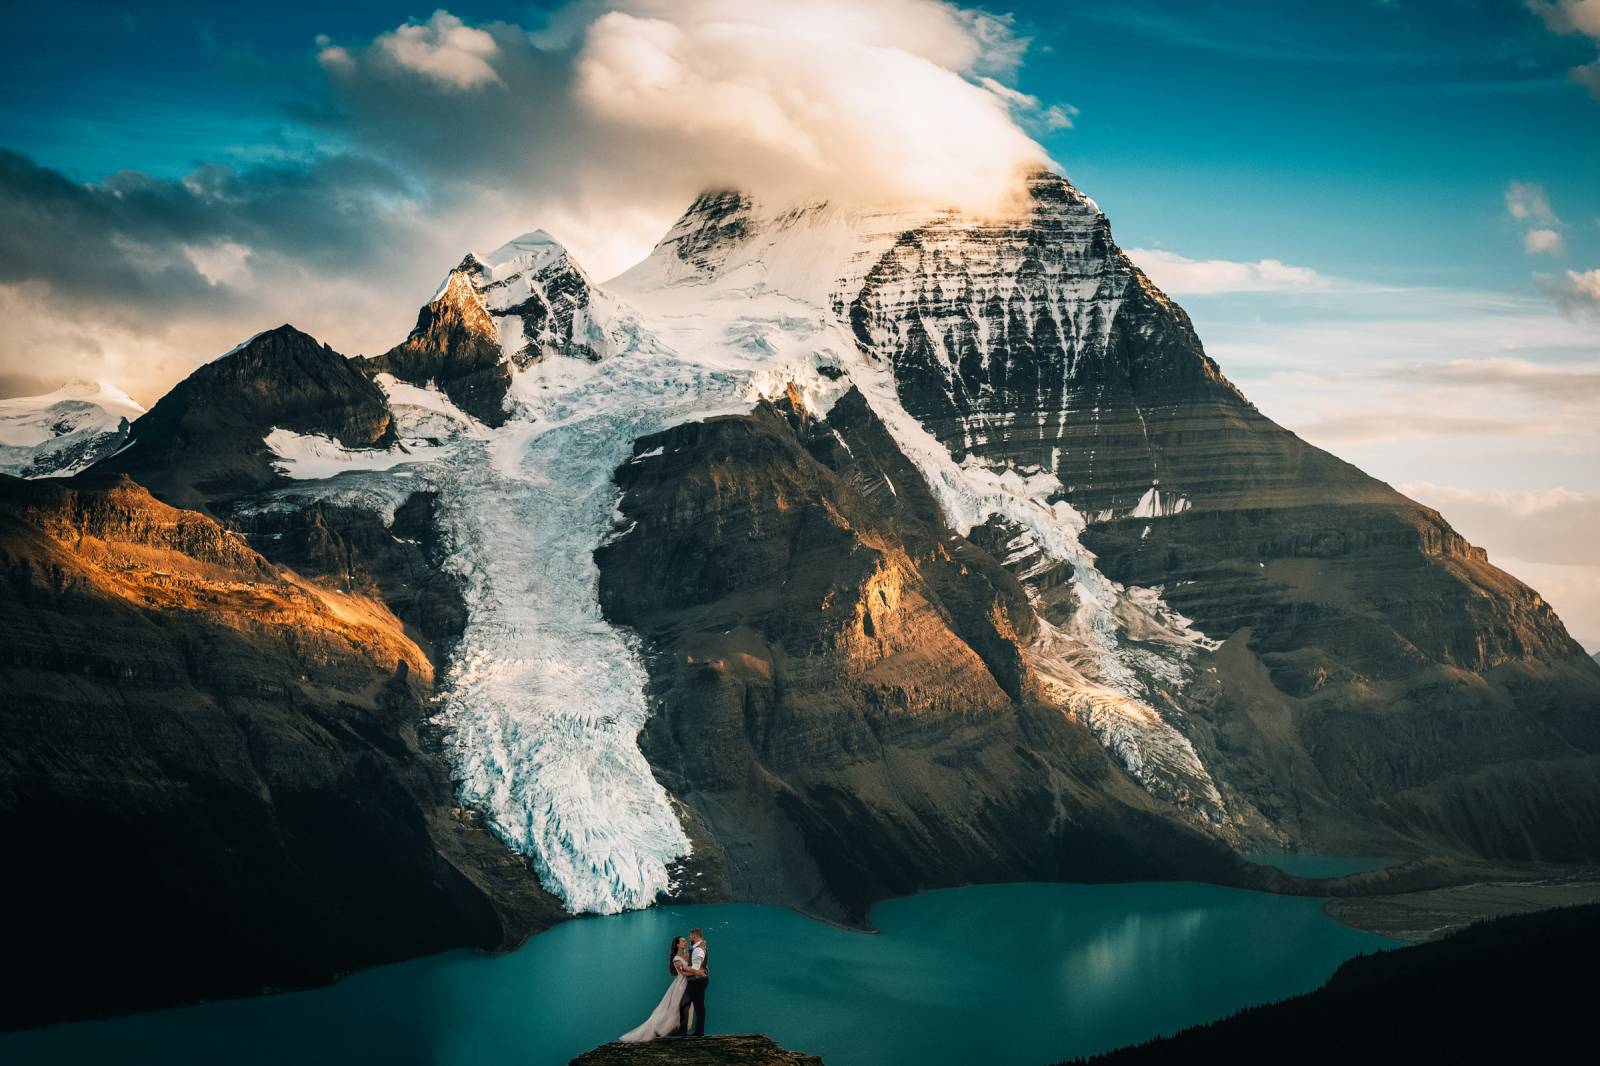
{"x": 694, "y": 995}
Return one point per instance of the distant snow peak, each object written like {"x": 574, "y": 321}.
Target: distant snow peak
{"x": 60, "y": 433}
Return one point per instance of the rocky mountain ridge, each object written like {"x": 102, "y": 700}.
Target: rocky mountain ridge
{"x": 832, "y": 554}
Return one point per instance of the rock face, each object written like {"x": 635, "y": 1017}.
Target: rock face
{"x": 204, "y": 441}
{"x": 213, "y": 780}
{"x": 746, "y": 1049}
{"x": 454, "y": 347}
{"x": 842, "y": 700}
{"x": 65, "y": 431}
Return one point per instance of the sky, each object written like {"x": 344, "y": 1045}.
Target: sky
{"x": 1383, "y": 215}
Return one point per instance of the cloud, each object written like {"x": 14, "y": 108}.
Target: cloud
{"x": 1576, "y": 293}
{"x": 139, "y": 279}
{"x": 1028, "y": 108}
{"x": 1481, "y": 399}
{"x": 1529, "y": 204}
{"x": 1567, "y": 382}
{"x": 443, "y": 50}
{"x": 1526, "y": 201}
{"x": 1543, "y": 241}
{"x": 1180, "y": 275}
{"x": 1574, "y": 16}
{"x": 601, "y": 126}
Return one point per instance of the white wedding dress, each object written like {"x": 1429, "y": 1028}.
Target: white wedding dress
{"x": 663, "y": 1021}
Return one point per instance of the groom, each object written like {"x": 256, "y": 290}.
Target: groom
{"x": 694, "y": 995}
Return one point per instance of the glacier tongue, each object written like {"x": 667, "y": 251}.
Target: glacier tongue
{"x": 546, "y": 699}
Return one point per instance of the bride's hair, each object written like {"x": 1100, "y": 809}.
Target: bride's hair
{"x": 672, "y": 956}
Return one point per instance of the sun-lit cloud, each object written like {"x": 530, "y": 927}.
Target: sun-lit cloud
{"x": 1574, "y": 16}
{"x": 634, "y": 107}
{"x": 599, "y": 124}
{"x": 443, "y": 49}
{"x": 1180, "y": 275}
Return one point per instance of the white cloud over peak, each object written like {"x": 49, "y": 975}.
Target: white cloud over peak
{"x": 1181, "y": 276}
{"x": 826, "y": 99}
{"x": 627, "y": 109}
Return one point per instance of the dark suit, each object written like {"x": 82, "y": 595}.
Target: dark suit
{"x": 694, "y": 995}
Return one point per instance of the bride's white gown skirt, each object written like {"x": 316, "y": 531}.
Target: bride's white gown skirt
{"x": 663, "y": 1021}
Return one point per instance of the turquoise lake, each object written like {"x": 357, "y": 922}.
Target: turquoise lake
{"x": 1025, "y": 973}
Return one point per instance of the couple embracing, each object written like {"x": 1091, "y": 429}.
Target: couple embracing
{"x": 687, "y": 992}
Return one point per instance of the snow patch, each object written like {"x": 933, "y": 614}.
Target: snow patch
{"x": 312, "y": 456}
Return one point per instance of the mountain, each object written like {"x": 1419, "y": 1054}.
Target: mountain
{"x": 213, "y": 777}
{"x": 205, "y": 440}
{"x": 826, "y": 554}
{"x": 63, "y": 432}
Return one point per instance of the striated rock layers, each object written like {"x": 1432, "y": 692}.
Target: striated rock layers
{"x": 1380, "y": 684}
{"x": 212, "y": 780}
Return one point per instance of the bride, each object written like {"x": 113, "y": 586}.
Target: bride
{"x": 664, "y": 1020}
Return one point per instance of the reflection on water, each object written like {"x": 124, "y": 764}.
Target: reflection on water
{"x": 993, "y": 974}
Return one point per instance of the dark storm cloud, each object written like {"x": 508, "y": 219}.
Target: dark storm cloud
{"x": 142, "y": 241}
{"x": 137, "y": 279}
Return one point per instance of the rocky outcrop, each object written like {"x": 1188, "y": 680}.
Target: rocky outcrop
{"x": 454, "y": 347}
{"x": 215, "y": 778}
{"x": 203, "y": 443}
{"x": 841, "y": 703}
{"x": 745, "y": 1049}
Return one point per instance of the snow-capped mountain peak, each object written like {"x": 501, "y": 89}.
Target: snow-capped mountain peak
{"x": 62, "y": 432}
{"x": 533, "y": 297}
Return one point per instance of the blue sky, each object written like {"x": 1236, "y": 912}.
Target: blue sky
{"x": 1328, "y": 188}
{"x": 1339, "y": 134}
